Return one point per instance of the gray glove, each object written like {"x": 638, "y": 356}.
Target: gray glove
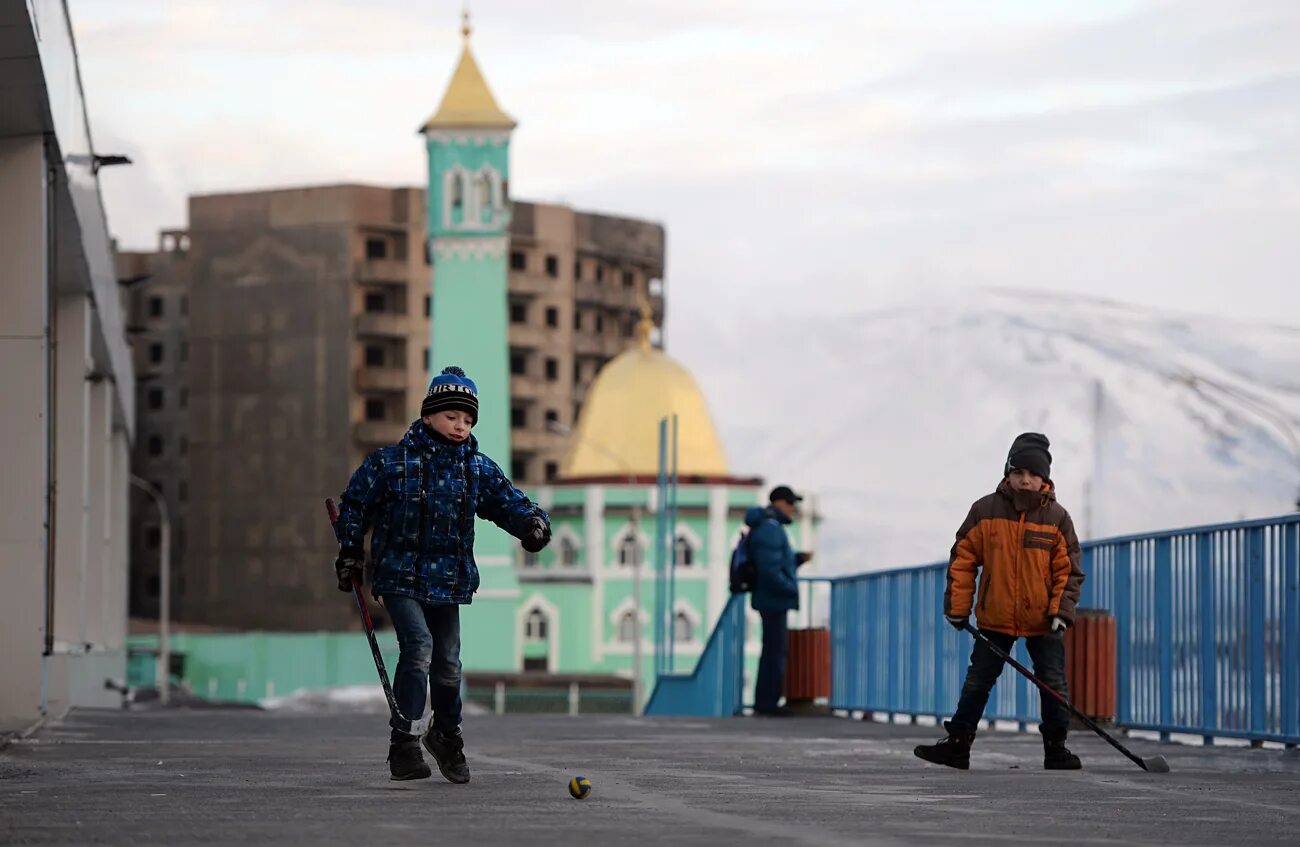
{"x": 350, "y": 571}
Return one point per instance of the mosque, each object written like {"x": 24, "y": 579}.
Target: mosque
{"x": 583, "y": 604}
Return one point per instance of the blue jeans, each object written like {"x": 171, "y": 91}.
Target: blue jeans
{"x": 429, "y": 641}
{"x": 1048, "y": 655}
{"x": 771, "y": 665}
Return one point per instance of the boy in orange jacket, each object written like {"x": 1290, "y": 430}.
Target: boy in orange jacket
{"x": 1025, "y": 545}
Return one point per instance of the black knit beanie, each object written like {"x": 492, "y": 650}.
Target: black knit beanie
{"x": 451, "y": 390}
{"x": 1029, "y": 453}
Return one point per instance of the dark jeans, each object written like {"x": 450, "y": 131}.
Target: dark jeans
{"x": 429, "y": 640}
{"x": 1048, "y": 654}
{"x": 771, "y": 665}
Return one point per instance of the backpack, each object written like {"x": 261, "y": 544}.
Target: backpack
{"x": 744, "y": 573}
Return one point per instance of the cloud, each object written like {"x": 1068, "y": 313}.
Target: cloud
{"x": 811, "y": 155}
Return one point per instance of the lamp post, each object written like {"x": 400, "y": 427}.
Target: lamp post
{"x": 637, "y": 658}
{"x": 164, "y": 585}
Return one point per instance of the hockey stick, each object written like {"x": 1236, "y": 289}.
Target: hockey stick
{"x": 398, "y": 721}
{"x": 1155, "y": 764}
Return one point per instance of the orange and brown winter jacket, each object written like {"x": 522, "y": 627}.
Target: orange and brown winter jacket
{"x": 1025, "y": 546}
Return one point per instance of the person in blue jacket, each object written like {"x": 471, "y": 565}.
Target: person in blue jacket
{"x": 419, "y": 498}
{"x": 775, "y": 593}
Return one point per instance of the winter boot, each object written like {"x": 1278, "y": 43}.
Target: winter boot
{"x": 449, "y": 752}
{"x": 953, "y": 751}
{"x": 1057, "y": 757}
{"x": 405, "y": 761}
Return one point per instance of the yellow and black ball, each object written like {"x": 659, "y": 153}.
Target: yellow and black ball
{"x": 579, "y": 788}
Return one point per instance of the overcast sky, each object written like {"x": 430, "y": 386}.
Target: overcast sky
{"x": 814, "y": 156}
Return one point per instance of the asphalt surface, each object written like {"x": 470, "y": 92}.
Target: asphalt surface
{"x": 192, "y": 777}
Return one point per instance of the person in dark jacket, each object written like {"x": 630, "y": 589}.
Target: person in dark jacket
{"x": 1022, "y": 544}
{"x": 419, "y": 498}
{"x": 775, "y": 593}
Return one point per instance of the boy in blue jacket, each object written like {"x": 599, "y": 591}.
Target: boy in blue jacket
{"x": 776, "y": 592}
{"x": 419, "y": 498}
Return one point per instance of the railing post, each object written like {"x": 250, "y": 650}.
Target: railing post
{"x": 1208, "y": 675}
{"x": 1123, "y": 631}
{"x": 1164, "y": 601}
{"x": 914, "y": 648}
{"x": 1290, "y": 632}
{"x": 942, "y": 699}
{"x": 573, "y": 699}
{"x": 499, "y": 698}
{"x": 895, "y": 659}
{"x": 1258, "y": 632}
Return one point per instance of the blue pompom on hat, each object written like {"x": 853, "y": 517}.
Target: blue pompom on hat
{"x": 451, "y": 390}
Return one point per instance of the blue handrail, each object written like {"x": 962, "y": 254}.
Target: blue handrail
{"x": 1208, "y": 636}
{"x": 714, "y": 688}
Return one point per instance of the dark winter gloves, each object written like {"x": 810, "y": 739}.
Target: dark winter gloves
{"x": 957, "y": 623}
{"x": 349, "y": 566}
{"x": 536, "y": 534}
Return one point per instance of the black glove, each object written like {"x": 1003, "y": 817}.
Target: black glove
{"x": 957, "y": 623}
{"x": 536, "y": 535}
{"x": 349, "y": 567}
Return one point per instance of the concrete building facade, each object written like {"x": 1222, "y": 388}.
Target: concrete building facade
{"x": 69, "y": 413}
{"x": 284, "y": 334}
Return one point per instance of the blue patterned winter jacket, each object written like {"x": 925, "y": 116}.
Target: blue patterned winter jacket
{"x": 419, "y": 497}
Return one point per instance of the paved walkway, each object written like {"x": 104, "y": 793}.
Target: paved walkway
{"x": 189, "y": 777}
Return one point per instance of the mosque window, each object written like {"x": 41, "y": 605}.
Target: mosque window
{"x": 682, "y": 629}
{"x": 457, "y": 191}
{"x": 531, "y": 560}
{"x": 568, "y": 553}
{"x": 485, "y": 191}
{"x": 627, "y": 627}
{"x": 536, "y": 626}
{"x": 629, "y": 551}
{"x": 683, "y": 552}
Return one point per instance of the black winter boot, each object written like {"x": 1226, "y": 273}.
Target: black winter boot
{"x": 449, "y": 752}
{"x": 405, "y": 761}
{"x": 953, "y": 751}
{"x": 1057, "y": 757}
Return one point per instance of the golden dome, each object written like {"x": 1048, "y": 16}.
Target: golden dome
{"x": 618, "y": 430}
{"x": 468, "y": 102}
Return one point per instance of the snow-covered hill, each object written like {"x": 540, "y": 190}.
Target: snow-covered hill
{"x": 900, "y": 418}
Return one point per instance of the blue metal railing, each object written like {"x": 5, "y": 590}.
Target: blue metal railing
{"x": 1207, "y": 641}
{"x": 1208, "y": 634}
{"x": 713, "y": 689}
